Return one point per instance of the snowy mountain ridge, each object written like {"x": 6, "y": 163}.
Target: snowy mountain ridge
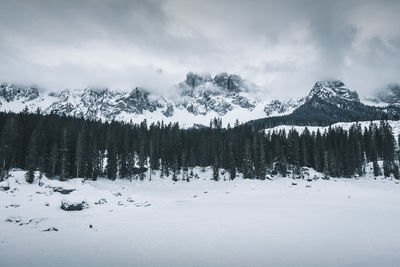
{"x": 104, "y": 103}
{"x": 388, "y": 96}
{"x": 201, "y": 98}
{"x": 10, "y": 92}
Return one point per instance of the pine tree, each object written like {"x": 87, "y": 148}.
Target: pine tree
{"x": 231, "y": 162}
{"x": 281, "y": 164}
{"x": 377, "y": 169}
{"x": 123, "y": 155}
{"x": 111, "y": 162}
{"x": 388, "y": 148}
{"x": 7, "y": 142}
{"x": 32, "y": 157}
{"x": 130, "y": 165}
{"x": 318, "y": 153}
{"x": 248, "y": 166}
{"x": 54, "y": 159}
{"x": 386, "y": 168}
{"x": 215, "y": 169}
{"x": 142, "y": 155}
{"x": 64, "y": 171}
{"x": 175, "y": 168}
{"x": 395, "y": 171}
{"x": 261, "y": 168}
{"x": 305, "y": 147}
{"x": 96, "y": 159}
{"x": 185, "y": 167}
{"x": 79, "y": 154}
{"x": 326, "y": 165}
{"x": 293, "y": 151}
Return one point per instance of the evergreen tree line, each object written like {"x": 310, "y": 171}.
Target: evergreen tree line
{"x": 67, "y": 147}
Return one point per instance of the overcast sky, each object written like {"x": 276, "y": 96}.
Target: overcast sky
{"x": 283, "y": 46}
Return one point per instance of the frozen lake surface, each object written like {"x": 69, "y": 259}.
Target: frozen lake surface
{"x": 339, "y": 222}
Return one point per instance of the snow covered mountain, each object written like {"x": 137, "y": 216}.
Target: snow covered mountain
{"x": 221, "y": 94}
{"x": 329, "y": 97}
{"x": 388, "y": 96}
{"x": 330, "y": 102}
{"x": 279, "y": 108}
{"x": 106, "y": 104}
{"x": 333, "y": 91}
{"x": 201, "y": 98}
{"x": 10, "y": 92}
{"x": 333, "y": 101}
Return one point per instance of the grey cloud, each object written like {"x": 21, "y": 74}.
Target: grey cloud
{"x": 284, "y": 46}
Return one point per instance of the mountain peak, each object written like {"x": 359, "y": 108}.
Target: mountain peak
{"x": 390, "y": 95}
{"x": 195, "y": 79}
{"x": 226, "y": 82}
{"x": 10, "y": 92}
{"x": 333, "y": 90}
{"x": 230, "y": 82}
{"x": 202, "y": 94}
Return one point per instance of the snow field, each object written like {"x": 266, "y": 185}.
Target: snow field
{"x": 336, "y": 222}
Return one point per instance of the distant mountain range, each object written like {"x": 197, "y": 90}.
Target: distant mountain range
{"x": 330, "y": 102}
{"x": 388, "y": 96}
{"x": 202, "y": 98}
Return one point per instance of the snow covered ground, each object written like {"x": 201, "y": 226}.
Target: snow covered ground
{"x": 345, "y": 125}
{"x": 279, "y": 222}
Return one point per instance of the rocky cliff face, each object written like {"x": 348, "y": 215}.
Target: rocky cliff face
{"x": 10, "y": 92}
{"x": 328, "y": 94}
{"x": 277, "y": 107}
{"x": 94, "y": 103}
{"x": 390, "y": 95}
{"x": 201, "y": 94}
{"x": 333, "y": 91}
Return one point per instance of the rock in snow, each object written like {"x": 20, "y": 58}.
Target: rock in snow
{"x": 73, "y": 206}
{"x": 51, "y": 229}
{"x": 63, "y": 191}
{"x": 101, "y": 201}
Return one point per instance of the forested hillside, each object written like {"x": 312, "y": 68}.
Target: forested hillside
{"x": 67, "y": 147}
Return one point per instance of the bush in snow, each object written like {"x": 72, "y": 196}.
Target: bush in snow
{"x": 386, "y": 168}
{"x": 101, "y": 201}
{"x": 30, "y": 176}
{"x": 395, "y": 171}
{"x": 377, "y": 169}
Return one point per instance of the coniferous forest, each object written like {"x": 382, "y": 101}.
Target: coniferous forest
{"x": 65, "y": 147}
